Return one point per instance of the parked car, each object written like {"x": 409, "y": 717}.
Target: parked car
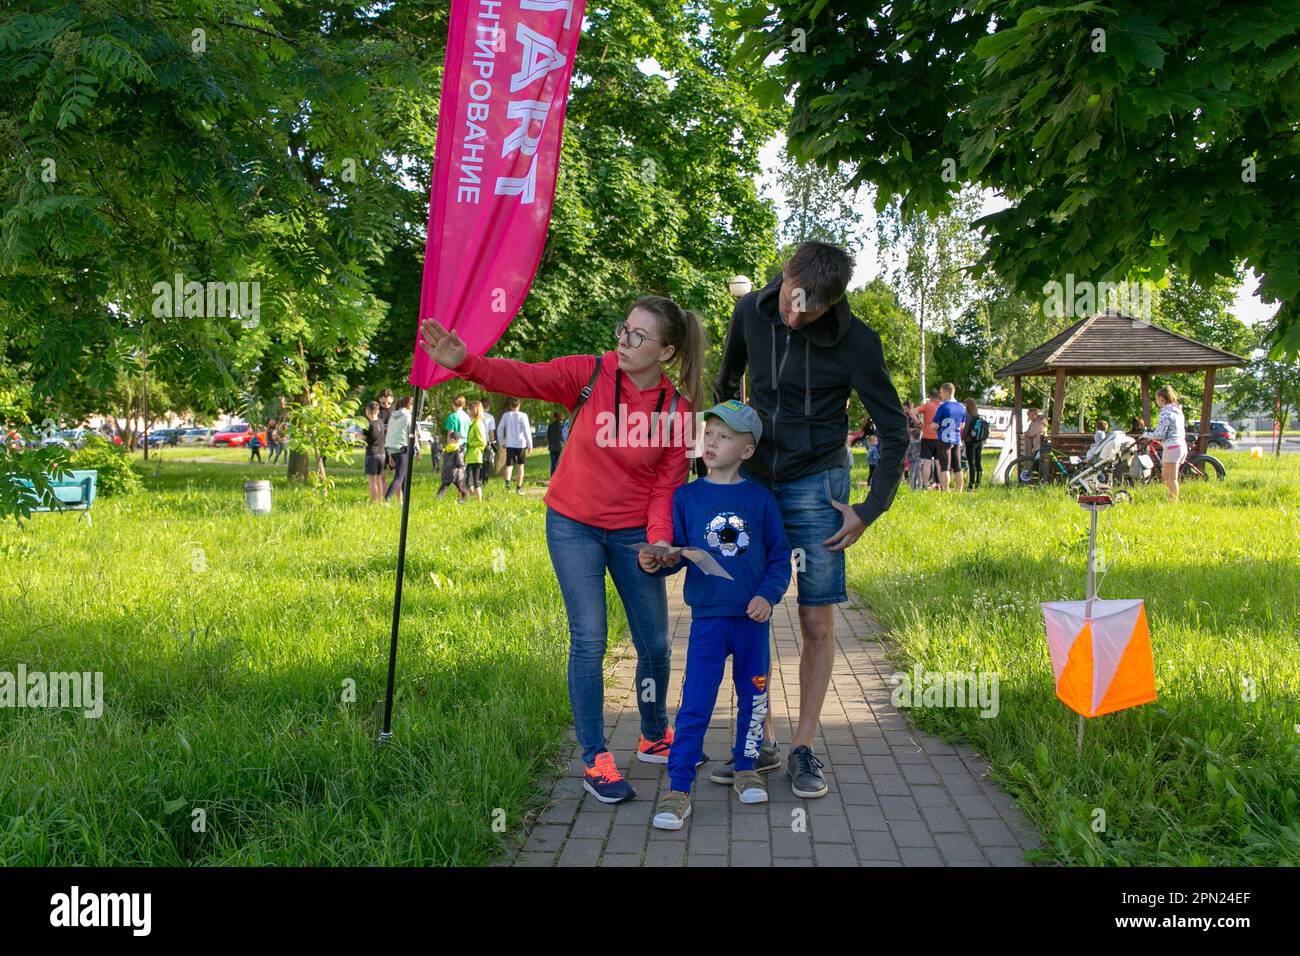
{"x": 196, "y": 436}
{"x": 236, "y": 436}
{"x": 1222, "y": 435}
{"x": 74, "y": 437}
{"x": 164, "y": 436}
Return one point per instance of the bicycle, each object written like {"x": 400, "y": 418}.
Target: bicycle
{"x": 1028, "y": 470}
{"x": 1193, "y": 468}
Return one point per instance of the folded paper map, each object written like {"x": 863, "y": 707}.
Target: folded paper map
{"x": 697, "y": 556}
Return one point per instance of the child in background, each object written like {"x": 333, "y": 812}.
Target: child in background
{"x": 738, "y": 523}
{"x": 255, "y": 447}
{"x": 915, "y": 466}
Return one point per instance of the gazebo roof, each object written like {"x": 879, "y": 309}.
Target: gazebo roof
{"x": 1112, "y": 343}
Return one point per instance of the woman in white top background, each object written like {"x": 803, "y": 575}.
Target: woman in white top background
{"x": 1171, "y": 432}
{"x": 395, "y": 443}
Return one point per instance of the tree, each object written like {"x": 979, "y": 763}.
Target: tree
{"x": 656, "y": 193}
{"x": 936, "y": 253}
{"x": 277, "y": 147}
{"x": 1128, "y": 136}
{"x": 878, "y": 305}
{"x": 1270, "y": 384}
{"x": 819, "y": 204}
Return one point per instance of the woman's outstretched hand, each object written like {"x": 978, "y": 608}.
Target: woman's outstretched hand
{"x": 442, "y": 345}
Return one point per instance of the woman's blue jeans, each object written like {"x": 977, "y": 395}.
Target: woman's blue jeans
{"x": 581, "y": 554}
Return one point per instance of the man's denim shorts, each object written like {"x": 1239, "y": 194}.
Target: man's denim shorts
{"x": 810, "y": 519}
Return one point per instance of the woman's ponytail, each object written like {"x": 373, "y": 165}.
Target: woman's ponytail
{"x": 682, "y": 329}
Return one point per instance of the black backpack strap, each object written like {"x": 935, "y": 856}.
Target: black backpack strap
{"x": 584, "y": 394}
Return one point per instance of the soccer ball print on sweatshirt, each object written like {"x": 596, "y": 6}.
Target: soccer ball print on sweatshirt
{"x": 728, "y": 534}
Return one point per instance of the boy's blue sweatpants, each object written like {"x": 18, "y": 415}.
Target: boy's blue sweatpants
{"x": 711, "y": 640}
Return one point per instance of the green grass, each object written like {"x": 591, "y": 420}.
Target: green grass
{"x": 225, "y": 641}
{"x": 224, "y": 678}
{"x": 1206, "y": 775}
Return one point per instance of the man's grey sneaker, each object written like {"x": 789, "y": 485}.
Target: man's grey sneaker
{"x": 805, "y": 772}
{"x": 768, "y": 760}
{"x": 674, "y": 807}
{"x": 750, "y": 787}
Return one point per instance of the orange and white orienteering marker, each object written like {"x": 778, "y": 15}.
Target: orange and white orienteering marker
{"x": 1102, "y": 660}
{"x": 1101, "y": 650}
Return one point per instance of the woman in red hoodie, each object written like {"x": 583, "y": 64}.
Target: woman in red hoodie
{"x": 613, "y": 488}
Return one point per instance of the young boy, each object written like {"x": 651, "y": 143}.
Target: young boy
{"x": 738, "y": 523}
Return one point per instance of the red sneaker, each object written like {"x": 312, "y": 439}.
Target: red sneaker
{"x": 655, "y": 751}
{"x": 605, "y": 783}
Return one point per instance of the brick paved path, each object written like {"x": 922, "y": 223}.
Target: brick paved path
{"x": 898, "y": 796}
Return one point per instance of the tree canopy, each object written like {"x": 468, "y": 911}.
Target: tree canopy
{"x": 1129, "y": 136}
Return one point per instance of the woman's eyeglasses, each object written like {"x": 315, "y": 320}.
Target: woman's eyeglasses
{"x": 633, "y": 337}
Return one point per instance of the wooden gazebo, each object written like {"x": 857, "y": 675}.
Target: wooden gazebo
{"x": 1109, "y": 344}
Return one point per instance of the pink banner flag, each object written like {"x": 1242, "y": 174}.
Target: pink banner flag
{"x": 498, "y": 153}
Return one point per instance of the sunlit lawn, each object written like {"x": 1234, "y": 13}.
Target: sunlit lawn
{"x": 1209, "y": 773}
{"x": 228, "y": 645}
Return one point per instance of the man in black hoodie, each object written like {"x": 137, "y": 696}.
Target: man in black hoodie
{"x": 805, "y": 351}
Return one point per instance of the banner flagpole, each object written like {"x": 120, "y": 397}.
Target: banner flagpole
{"x": 496, "y": 161}
{"x": 386, "y": 733}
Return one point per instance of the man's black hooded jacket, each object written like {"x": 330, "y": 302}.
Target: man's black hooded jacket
{"x": 799, "y": 384}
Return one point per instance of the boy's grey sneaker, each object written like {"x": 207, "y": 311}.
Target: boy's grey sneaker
{"x": 674, "y": 807}
{"x": 806, "y": 779}
{"x": 750, "y": 787}
{"x": 768, "y": 760}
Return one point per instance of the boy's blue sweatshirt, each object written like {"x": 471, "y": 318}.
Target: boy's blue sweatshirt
{"x": 740, "y": 525}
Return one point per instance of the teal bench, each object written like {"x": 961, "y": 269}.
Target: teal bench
{"x": 73, "y": 492}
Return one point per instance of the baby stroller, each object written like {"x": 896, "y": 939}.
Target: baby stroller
{"x": 1101, "y": 464}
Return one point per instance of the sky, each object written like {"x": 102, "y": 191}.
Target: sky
{"x": 869, "y": 264}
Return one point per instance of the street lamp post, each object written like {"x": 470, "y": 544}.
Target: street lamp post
{"x": 739, "y": 286}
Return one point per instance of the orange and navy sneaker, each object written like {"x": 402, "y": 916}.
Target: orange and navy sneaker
{"x": 655, "y": 751}
{"x": 605, "y": 783}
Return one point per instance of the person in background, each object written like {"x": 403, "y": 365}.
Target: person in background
{"x": 516, "y": 435}
{"x": 915, "y": 465}
{"x": 395, "y": 441}
{"x": 453, "y": 450}
{"x": 556, "y": 434}
{"x": 475, "y": 449}
{"x": 376, "y": 451}
{"x": 255, "y": 442}
{"x": 1171, "y": 432}
{"x": 489, "y": 453}
{"x": 1034, "y": 432}
{"x": 385, "y": 400}
{"x": 975, "y": 433}
{"x": 929, "y": 438}
{"x": 1103, "y": 427}
{"x": 948, "y": 419}
{"x": 282, "y": 438}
